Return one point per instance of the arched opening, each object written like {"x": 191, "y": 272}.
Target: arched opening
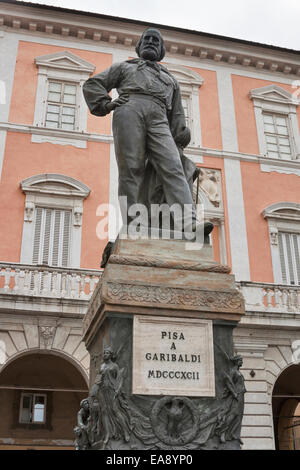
{"x": 286, "y": 409}
{"x": 40, "y": 395}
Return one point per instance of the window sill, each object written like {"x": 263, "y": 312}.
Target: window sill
{"x": 56, "y": 136}
{"x": 280, "y": 166}
{"x": 33, "y": 426}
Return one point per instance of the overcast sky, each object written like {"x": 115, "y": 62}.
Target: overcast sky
{"x": 273, "y": 22}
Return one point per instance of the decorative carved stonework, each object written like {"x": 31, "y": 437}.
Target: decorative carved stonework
{"x": 77, "y": 216}
{"x": 209, "y": 182}
{"x": 95, "y": 304}
{"x": 95, "y": 359}
{"x": 209, "y": 266}
{"x": 29, "y": 211}
{"x": 46, "y": 335}
{"x": 200, "y": 299}
{"x": 274, "y": 235}
{"x": 175, "y": 420}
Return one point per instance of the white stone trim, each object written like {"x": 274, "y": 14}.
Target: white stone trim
{"x": 227, "y": 111}
{"x": 237, "y": 221}
{"x": 233, "y": 180}
{"x": 8, "y": 54}
{"x": 126, "y": 51}
{"x": 75, "y": 187}
{"x": 196, "y": 154}
{"x": 65, "y": 60}
{"x": 91, "y": 28}
{"x": 78, "y": 139}
{"x": 29, "y": 341}
{"x": 53, "y": 191}
{"x": 2, "y": 149}
{"x": 67, "y": 67}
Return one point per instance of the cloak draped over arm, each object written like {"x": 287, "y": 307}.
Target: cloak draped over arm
{"x": 176, "y": 116}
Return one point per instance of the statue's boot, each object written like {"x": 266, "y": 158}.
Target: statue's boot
{"x": 205, "y": 227}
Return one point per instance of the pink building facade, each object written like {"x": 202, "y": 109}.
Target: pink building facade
{"x": 58, "y": 172}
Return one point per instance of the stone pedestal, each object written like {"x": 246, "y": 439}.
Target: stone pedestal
{"x": 169, "y": 379}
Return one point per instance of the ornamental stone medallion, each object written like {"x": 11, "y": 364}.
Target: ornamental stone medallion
{"x": 173, "y": 356}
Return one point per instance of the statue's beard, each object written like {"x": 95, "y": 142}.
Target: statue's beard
{"x": 149, "y": 54}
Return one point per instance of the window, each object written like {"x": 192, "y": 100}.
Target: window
{"x": 51, "y": 241}
{"x": 284, "y": 230}
{"x": 52, "y": 220}
{"x": 33, "y": 408}
{"x": 289, "y": 249}
{"x": 277, "y": 128}
{"x": 189, "y": 82}
{"x": 277, "y": 136}
{"x": 61, "y": 106}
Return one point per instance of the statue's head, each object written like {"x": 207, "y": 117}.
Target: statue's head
{"x": 151, "y": 45}
{"x": 85, "y": 404}
{"x": 238, "y": 360}
{"x": 77, "y": 431}
{"x": 107, "y": 353}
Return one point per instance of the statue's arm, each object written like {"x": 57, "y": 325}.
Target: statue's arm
{"x": 80, "y": 420}
{"x": 177, "y": 122}
{"x": 230, "y": 385}
{"x": 96, "y": 89}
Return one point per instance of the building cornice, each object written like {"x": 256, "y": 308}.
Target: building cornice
{"x": 93, "y": 28}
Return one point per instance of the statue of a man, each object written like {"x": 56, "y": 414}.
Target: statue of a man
{"x": 149, "y": 124}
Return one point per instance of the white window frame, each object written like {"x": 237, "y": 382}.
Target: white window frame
{"x": 273, "y": 99}
{"x": 61, "y": 105}
{"x": 276, "y": 135}
{"x": 281, "y": 222}
{"x": 68, "y": 68}
{"x": 53, "y": 191}
{"x": 190, "y": 82}
{"x": 33, "y": 395}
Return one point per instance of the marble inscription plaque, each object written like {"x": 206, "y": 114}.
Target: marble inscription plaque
{"x": 173, "y": 356}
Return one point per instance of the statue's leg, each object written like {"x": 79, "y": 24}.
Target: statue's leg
{"x": 130, "y": 143}
{"x": 165, "y": 157}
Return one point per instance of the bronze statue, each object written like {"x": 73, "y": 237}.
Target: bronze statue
{"x": 82, "y": 428}
{"x": 109, "y": 416}
{"x": 115, "y": 418}
{"x": 149, "y": 129}
{"x": 234, "y": 392}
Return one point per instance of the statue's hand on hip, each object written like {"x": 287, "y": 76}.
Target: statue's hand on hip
{"x": 116, "y": 103}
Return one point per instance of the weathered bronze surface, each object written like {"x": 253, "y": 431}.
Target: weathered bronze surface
{"x": 149, "y": 129}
